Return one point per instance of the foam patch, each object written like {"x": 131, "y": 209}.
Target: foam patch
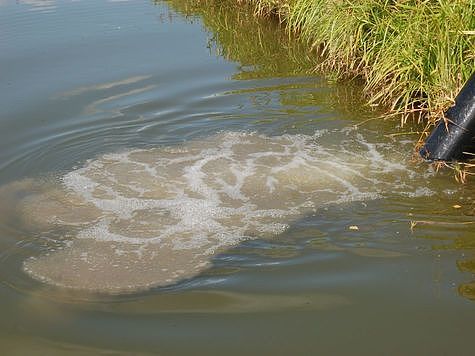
{"x": 151, "y": 217}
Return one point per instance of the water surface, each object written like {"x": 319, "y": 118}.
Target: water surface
{"x": 175, "y": 180}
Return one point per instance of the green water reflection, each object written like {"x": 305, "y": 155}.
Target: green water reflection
{"x": 263, "y": 49}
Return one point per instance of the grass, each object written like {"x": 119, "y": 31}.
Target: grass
{"x": 414, "y": 55}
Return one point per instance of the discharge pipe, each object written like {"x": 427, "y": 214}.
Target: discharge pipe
{"x": 454, "y": 136}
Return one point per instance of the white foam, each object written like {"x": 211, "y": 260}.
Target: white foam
{"x": 204, "y": 196}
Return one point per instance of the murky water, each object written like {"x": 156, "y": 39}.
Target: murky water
{"x": 174, "y": 181}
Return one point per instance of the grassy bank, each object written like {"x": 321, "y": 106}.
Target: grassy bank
{"x": 413, "y": 55}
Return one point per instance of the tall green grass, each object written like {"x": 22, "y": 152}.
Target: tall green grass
{"x": 414, "y": 55}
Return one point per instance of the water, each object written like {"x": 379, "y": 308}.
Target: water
{"x": 174, "y": 181}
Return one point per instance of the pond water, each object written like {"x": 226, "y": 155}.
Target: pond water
{"x": 175, "y": 180}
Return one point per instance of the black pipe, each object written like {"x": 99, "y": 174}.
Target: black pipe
{"x": 454, "y": 137}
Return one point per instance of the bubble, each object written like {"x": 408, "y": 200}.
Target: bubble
{"x": 151, "y": 217}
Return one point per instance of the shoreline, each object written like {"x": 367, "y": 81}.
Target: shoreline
{"x": 414, "y": 57}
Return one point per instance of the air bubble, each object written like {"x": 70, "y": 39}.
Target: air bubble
{"x": 150, "y": 217}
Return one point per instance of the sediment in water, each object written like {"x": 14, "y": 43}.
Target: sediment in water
{"x": 151, "y": 217}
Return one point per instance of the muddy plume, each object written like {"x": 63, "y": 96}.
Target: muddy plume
{"x": 151, "y": 217}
